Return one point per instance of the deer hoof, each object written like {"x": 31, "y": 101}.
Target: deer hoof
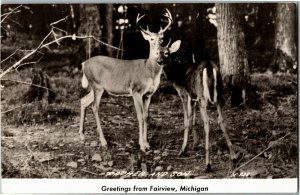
{"x": 196, "y": 147}
{"x": 104, "y": 147}
{"x": 208, "y": 168}
{"x": 82, "y": 138}
{"x": 182, "y": 152}
{"x": 234, "y": 162}
{"x": 147, "y": 146}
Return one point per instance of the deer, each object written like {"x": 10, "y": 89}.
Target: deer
{"x": 138, "y": 78}
{"x": 197, "y": 83}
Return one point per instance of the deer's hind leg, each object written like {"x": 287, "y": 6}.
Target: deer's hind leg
{"x": 203, "y": 110}
{"x": 187, "y": 111}
{"x": 84, "y": 103}
{"x": 195, "y": 131}
{"x": 95, "y": 107}
{"x": 223, "y": 128}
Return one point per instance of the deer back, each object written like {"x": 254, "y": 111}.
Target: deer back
{"x": 122, "y": 77}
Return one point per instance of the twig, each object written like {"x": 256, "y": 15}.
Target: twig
{"x": 187, "y": 158}
{"x": 25, "y": 57}
{"x": 60, "y": 30}
{"x": 80, "y": 37}
{"x": 10, "y": 55}
{"x": 7, "y": 14}
{"x": 26, "y": 83}
{"x": 58, "y": 21}
{"x": 45, "y": 45}
{"x": 29, "y": 63}
{"x": 270, "y": 145}
{"x": 89, "y": 172}
{"x": 11, "y": 109}
{"x": 116, "y": 103}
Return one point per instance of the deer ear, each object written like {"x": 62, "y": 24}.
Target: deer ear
{"x": 145, "y": 35}
{"x": 175, "y": 46}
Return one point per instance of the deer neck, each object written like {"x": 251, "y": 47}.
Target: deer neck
{"x": 153, "y": 57}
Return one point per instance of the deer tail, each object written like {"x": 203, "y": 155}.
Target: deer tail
{"x": 210, "y": 84}
{"x": 84, "y": 81}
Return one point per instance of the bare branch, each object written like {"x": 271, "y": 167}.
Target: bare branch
{"x": 58, "y": 21}
{"x": 46, "y": 45}
{"x": 60, "y": 29}
{"x": 26, "y": 83}
{"x": 26, "y": 63}
{"x": 80, "y": 37}
{"x": 10, "y": 55}
{"x": 25, "y": 57}
{"x": 7, "y": 14}
{"x": 271, "y": 144}
{"x": 6, "y": 111}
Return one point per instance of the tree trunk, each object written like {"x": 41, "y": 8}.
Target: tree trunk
{"x": 109, "y": 28}
{"x": 285, "y": 43}
{"x": 90, "y": 25}
{"x": 232, "y": 50}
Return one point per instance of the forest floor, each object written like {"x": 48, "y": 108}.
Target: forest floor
{"x": 44, "y": 143}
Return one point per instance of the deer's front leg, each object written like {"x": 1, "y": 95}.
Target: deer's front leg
{"x": 186, "y": 102}
{"x": 139, "y": 107}
{"x": 146, "y": 103}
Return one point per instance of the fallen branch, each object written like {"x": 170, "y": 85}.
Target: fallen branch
{"x": 26, "y": 83}
{"x": 6, "y": 111}
{"x": 84, "y": 170}
{"x": 271, "y": 144}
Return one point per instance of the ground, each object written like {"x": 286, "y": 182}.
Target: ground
{"x": 40, "y": 142}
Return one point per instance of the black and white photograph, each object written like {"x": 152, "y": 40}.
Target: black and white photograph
{"x": 171, "y": 92}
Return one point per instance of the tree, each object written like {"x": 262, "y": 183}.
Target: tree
{"x": 90, "y": 26}
{"x": 285, "y": 29}
{"x": 109, "y": 28}
{"x": 232, "y": 50}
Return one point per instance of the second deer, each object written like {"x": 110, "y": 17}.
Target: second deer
{"x": 197, "y": 82}
{"x": 137, "y": 78}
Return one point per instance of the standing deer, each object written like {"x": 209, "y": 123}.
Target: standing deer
{"x": 137, "y": 78}
{"x": 197, "y": 83}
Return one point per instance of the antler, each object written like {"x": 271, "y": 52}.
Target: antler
{"x": 138, "y": 18}
{"x": 168, "y": 43}
{"x": 170, "y": 19}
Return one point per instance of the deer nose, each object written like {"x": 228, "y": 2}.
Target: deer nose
{"x": 160, "y": 61}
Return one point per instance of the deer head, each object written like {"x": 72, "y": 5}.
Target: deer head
{"x": 155, "y": 39}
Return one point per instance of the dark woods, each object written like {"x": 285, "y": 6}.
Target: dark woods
{"x": 115, "y": 25}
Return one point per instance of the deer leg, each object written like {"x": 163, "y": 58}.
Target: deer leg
{"x": 138, "y": 103}
{"x": 203, "y": 110}
{"x": 84, "y": 103}
{"x": 195, "y": 132}
{"x": 146, "y": 103}
{"x": 186, "y": 102}
{"x": 223, "y": 128}
{"x": 95, "y": 107}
